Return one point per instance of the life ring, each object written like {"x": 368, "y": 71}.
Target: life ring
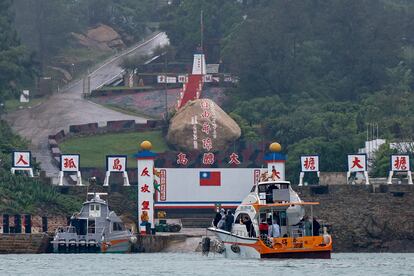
{"x": 235, "y": 248}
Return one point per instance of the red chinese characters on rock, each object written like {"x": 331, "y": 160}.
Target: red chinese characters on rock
{"x": 400, "y": 163}
{"x": 234, "y": 159}
{"x": 207, "y": 144}
{"x": 117, "y": 165}
{"x": 145, "y": 205}
{"x": 145, "y": 189}
{"x": 208, "y": 158}
{"x": 356, "y": 163}
{"x": 21, "y": 160}
{"x": 182, "y": 159}
{"x": 69, "y": 163}
{"x": 309, "y": 163}
{"x": 205, "y": 114}
{"x": 205, "y": 105}
{"x": 206, "y": 128}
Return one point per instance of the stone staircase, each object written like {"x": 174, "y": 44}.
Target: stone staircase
{"x": 23, "y": 243}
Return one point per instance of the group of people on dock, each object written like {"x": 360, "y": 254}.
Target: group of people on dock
{"x": 224, "y": 220}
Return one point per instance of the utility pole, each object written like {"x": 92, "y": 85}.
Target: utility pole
{"x": 165, "y": 86}
{"x": 201, "y": 30}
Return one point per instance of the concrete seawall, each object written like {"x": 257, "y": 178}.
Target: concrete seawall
{"x": 366, "y": 218}
{"x": 23, "y": 243}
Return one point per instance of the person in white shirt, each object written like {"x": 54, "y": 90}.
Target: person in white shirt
{"x": 274, "y": 230}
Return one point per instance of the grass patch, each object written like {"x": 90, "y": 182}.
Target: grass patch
{"x": 14, "y": 104}
{"x": 93, "y": 149}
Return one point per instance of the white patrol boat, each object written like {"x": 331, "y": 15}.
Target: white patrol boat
{"x": 94, "y": 229}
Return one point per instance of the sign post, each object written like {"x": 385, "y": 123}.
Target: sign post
{"x": 145, "y": 162}
{"x": 357, "y": 163}
{"x": 116, "y": 164}
{"x": 400, "y": 163}
{"x": 22, "y": 162}
{"x": 309, "y": 163}
{"x": 70, "y": 163}
{"x": 275, "y": 162}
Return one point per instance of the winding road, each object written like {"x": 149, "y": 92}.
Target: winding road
{"x": 68, "y": 107}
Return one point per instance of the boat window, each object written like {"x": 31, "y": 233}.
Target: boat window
{"x": 117, "y": 226}
{"x": 97, "y": 207}
{"x": 91, "y": 226}
{"x": 241, "y": 216}
{"x": 92, "y": 207}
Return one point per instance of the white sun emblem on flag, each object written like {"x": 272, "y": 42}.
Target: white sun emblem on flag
{"x": 204, "y": 174}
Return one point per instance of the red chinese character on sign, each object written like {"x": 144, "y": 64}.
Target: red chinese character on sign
{"x": 275, "y": 173}
{"x": 206, "y": 128}
{"x": 69, "y": 163}
{"x": 234, "y": 159}
{"x": 400, "y": 163}
{"x": 21, "y": 159}
{"x": 207, "y": 144}
{"x": 182, "y": 159}
{"x": 205, "y": 114}
{"x": 356, "y": 163}
{"x": 117, "y": 165}
{"x": 309, "y": 163}
{"x": 145, "y": 172}
{"x": 204, "y": 105}
{"x": 208, "y": 158}
{"x": 145, "y": 189}
{"x": 145, "y": 205}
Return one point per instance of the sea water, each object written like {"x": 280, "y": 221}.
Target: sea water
{"x": 196, "y": 264}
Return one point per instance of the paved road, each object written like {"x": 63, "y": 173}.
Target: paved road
{"x": 68, "y": 106}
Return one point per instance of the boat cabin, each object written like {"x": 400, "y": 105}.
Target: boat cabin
{"x": 274, "y": 192}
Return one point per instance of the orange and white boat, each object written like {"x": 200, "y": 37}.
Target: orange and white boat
{"x": 271, "y": 201}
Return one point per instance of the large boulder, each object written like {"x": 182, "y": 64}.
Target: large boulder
{"x": 201, "y": 124}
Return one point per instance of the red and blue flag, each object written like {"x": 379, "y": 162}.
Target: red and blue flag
{"x": 210, "y": 178}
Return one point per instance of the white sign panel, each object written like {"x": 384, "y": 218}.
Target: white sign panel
{"x": 116, "y": 163}
{"x": 182, "y": 78}
{"x": 277, "y": 169}
{"x": 310, "y": 163}
{"x": 24, "y": 97}
{"x": 69, "y": 162}
{"x": 208, "y": 78}
{"x": 171, "y": 80}
{"x": 400, "y": 163}
{"x": 357, "y": 162}
{"x": 161, "y": 79}
{"x": 146, "y": 191}
{"x": 21, "y": 159}
{"x": 200, "y": 187}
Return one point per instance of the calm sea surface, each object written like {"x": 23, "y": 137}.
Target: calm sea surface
{"x": 195, "y": 264}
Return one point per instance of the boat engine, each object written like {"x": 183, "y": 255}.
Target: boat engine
{"x": 205, "y": 245}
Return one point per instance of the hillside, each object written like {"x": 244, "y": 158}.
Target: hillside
{"x": 313, "y": 74}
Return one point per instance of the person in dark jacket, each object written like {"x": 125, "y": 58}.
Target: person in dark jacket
{"x": 249, "y": 227}
{"x": 316, "y": 227}
{"x": 229, "y": 221}
{"x": 218, "y": 216}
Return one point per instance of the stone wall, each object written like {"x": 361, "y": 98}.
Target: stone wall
{"x": 366, "y": 218}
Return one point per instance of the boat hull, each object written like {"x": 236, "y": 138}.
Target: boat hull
{"x": 245, "y": 247}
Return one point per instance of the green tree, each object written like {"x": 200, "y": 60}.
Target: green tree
{"x": 15, "y": 64}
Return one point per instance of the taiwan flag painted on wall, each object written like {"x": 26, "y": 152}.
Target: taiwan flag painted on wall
{"x": 210, "y": 178}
